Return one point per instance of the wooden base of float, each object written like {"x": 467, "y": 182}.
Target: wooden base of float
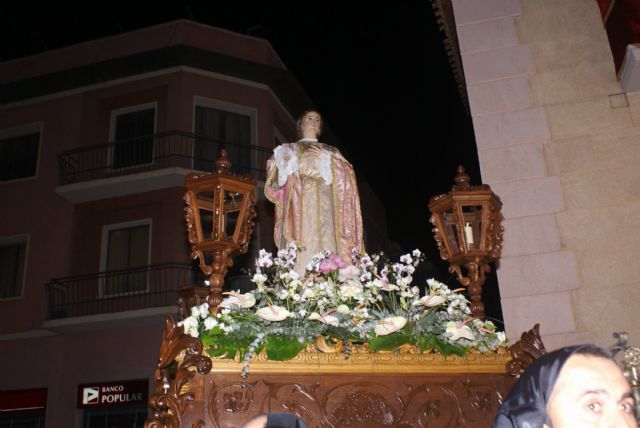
{"x": 385, "y": 389}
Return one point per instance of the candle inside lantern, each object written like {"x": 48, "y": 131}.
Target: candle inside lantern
{"x": 468, "y": 233}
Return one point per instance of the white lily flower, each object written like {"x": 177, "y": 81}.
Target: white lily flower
{"x": 502, "y": 337}
{"x": 389, "y": 325}
{"x": 204, "y": 310}
{"x": 351, "y": 289}
{"x": 259, "y": 278}
{"x": 430, "y": 300}
{"x": 283, "y": 294}
{"x": 245, "y": 300}
{"x": 386, "y": 286}
{"x": 342, "y": 309}
{"x": 272, "y": 313}
{"x": 308, "y": 293}
{"x": 435, "y": 285}
{"x": 327, "y": 319}
{"x": 458, "y": 330}
{"x": 209, "y": 323}
{"x": 190, "y": 325}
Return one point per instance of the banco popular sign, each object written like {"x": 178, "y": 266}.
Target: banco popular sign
{"x": 104, "y": 394}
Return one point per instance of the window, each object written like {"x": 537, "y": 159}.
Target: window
{"x": 22, "y": 419}
{"x": 125, "y": 257}
{"x": 23, "y": 408}
{"x": 216, "y": 128}
{"x": 19, "y": 155}
{"x": 132, "y": 135}
{"x": 125, "y": 416}
{"x": 13, "y": 254}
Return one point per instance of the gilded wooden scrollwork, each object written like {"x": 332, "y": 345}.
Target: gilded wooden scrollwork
{"x": 525, "y": 351}
{"x": 179, "y": 360}
{"x": 360, "y": 401}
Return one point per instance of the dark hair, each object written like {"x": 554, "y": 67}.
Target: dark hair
{"x": 594, "y": 351}
{"x": 299, "y": 122}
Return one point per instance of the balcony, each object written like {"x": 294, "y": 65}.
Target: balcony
{"x": 148, "y": 163}
{"x": 110, "y": 297}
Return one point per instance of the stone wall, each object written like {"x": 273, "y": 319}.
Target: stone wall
{"x": 559, "y": 141}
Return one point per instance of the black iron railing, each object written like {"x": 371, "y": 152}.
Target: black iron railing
{"x": 117, "y": 291}
{"x": 171, "y": 149}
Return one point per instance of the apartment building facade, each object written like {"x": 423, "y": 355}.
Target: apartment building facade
{"x": 95, "y": 142}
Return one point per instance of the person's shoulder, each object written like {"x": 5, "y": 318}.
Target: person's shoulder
{"x": 328, "y": 147}
{"x": 285, "y": 147}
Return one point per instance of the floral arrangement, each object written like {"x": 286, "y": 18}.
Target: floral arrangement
{"x": 368, "y": 301}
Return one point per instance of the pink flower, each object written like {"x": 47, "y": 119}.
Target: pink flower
{"x": 327, "y": 266}
{"x": 331, "y": 264}
{"x": 338, "y": 261}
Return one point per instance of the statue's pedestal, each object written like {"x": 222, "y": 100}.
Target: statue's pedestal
{"x": 386, "y": 389}
{"x": 366, "y": 390}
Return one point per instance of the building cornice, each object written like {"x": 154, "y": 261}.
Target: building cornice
{"x": 443, "y": 10}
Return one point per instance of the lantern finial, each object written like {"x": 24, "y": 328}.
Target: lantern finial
{"x": 462, "y": 179}
{"x": 222, "y": 163}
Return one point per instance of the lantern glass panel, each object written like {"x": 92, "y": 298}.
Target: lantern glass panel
{"x": 472, "y": 219}
{"x": 232, "y": 204}
{"x": 451, "y": 231}
{"x": 205, "y": 210}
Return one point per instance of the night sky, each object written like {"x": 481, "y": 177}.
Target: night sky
{"x": 378, "y": 74}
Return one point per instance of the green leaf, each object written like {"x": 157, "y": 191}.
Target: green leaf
{"x": 282, "y": 348}
{"x": 224, "y": 346}
{"x": 425, "y": 342}
{"x": 208, "y": 339}
{"x": 390, "y": 341}
{"x": 450, "y": 349}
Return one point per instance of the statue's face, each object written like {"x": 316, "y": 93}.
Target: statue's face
{"x": 310, "y": 125}
{"x": 591, "y": 392}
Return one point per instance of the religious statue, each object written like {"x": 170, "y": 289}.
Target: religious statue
{"x": 315, "y": 193}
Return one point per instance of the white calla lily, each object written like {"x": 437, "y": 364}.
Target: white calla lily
{"x": 326, "y": 319}
{"x": 246, "y": 300}
{"x": 272, "y": 313}
{"x": 389, "y": 325}
{"x": 459, "y": 330}
{"x": 430, "y": 300}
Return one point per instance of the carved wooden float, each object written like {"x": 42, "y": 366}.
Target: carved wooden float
{"x": 391, "y": 389}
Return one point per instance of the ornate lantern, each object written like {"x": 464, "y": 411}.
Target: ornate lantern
{"x": 468, "y": 233}
{"x": 220, "y": 215}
